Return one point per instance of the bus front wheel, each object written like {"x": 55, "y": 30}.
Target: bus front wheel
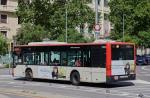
{"x": 29, "y": 75}
{"x": 75, "y": 78}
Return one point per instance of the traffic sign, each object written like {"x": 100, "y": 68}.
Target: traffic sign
{"x": 97, "y": 27}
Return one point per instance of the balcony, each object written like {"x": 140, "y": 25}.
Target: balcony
{"x": 7, "y": 8}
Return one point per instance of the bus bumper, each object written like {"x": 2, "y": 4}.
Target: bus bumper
{"x": 117, "y": 78}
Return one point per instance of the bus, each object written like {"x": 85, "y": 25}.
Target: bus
{"x": 96, "y": 62}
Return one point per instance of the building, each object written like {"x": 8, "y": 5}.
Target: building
{"x": 104, "y": 11}
{"x": 8, "y": 18}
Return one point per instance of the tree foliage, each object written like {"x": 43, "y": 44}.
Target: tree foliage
{"x": 52, "y": 15}
{"x": 74, "y": 37}
{"x": 136, "y": 15}
{"x": 3, "y": 45}
{"x": 31, "y": 33}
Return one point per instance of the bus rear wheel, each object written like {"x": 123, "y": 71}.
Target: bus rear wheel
{"x": 29, "y": 75}
{"x": 75, "y": 78}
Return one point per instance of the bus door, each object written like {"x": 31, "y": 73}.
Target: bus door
{"x": 98, "y": 59}
{"x": 86, "y": 66}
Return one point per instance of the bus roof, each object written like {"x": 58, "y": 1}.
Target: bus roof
{"x": 36, "y": 44}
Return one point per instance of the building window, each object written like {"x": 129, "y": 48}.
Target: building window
{"x": 3, "y": 2}
{"x": 19, "y": 20}
{"x": 99, "y": 2}
{"x": 4, "y": 33}
{"x": 3, "y": 18}
{"x": 105, "y": 3}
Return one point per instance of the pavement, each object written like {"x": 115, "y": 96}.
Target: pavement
{"x": 138, "y": 88}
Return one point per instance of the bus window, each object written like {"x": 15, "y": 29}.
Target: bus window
{"x": 98, "y": 56}
{"x": 17, "y": 56}
{"x": 122, "y": 52}
{"x": 28, "y": 58}
{"x": 73, "y": 56}
{"x": 63, "y": 58}
{"x": 46, "y": 58}
{"x": 86, "y": 59}
{"x": 17, "y": 59}
{"x": 37, "y": 58}
{"x": 55, "y": 58}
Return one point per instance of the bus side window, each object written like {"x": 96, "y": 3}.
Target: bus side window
{"x": 86, "y": 58}
{"x": 77, "y": 62}
{"x": 55, "y": 58}
{"x": 63, "y": 58}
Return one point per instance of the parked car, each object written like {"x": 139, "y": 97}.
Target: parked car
{"x": 140, "y": 60}
{"x": 147, "y": 59}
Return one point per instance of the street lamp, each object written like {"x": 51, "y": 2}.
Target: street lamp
{"x": 66, "y": 21}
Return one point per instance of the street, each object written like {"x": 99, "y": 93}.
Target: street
{"x": 19, "y": 88}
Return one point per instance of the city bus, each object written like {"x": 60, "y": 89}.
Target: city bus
{"x": 96, "y": 62}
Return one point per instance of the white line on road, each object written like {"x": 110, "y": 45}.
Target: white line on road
{"x": 145, "y": 68}
{"x": 140, "y": 81}
{"x": 11, "y": 83}
{"x": 3, "y": 96}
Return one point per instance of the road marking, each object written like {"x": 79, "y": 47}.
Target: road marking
{"x": 20, "y": 93}
{"x": 140, "y": 81}
{"x": 11, "y": 83}
{"x": 3, "y": 96}
{"x": 7, "y": 76}
{"x": 19, "y": 84}
{"x": 146, "y": 74}
{"x": 144, "y": 68}
{"x": 143, "y": 72}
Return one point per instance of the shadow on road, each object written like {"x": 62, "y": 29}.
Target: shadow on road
{"x": 97, "y": 85}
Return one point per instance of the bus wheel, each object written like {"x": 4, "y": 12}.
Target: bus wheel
{"x": 75, "y": 78}
{"x": 29, "y": 75}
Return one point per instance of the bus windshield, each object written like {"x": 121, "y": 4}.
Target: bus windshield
{"x": 122, "y": 52}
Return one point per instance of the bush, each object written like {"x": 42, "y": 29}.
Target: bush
{"x": 7, "y": 66}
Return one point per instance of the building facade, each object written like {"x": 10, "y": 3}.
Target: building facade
{"x": 8, "y": 18}
{"x": 103, "y": 10}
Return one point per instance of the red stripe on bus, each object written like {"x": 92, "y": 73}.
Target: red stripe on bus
{"x": 135, "y": 59}
{"x": 108, "y": 59}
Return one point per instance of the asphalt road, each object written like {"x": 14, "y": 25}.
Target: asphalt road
{"x": 139, "y": 88}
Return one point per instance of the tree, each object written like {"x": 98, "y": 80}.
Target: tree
{"x": 3, "y": 45}
{"x": 74, "y": 37}
{"x": 51, "y": 15}
{"x": 31, "y": 33}
{"x": 145, "y": 39}
{"x": 136, "y": 15}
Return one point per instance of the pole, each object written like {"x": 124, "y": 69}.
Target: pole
{"x": 96, "y": 11}
{"x": 123, "y": 29}
{"x": 102, "y": 15}
{"x": 96, "y": 17}
{"x": 9, "y": 57}
{"x": 66, "y": 22}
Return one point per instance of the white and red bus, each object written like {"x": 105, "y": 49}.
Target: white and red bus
{"x": 77, "y": 62}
